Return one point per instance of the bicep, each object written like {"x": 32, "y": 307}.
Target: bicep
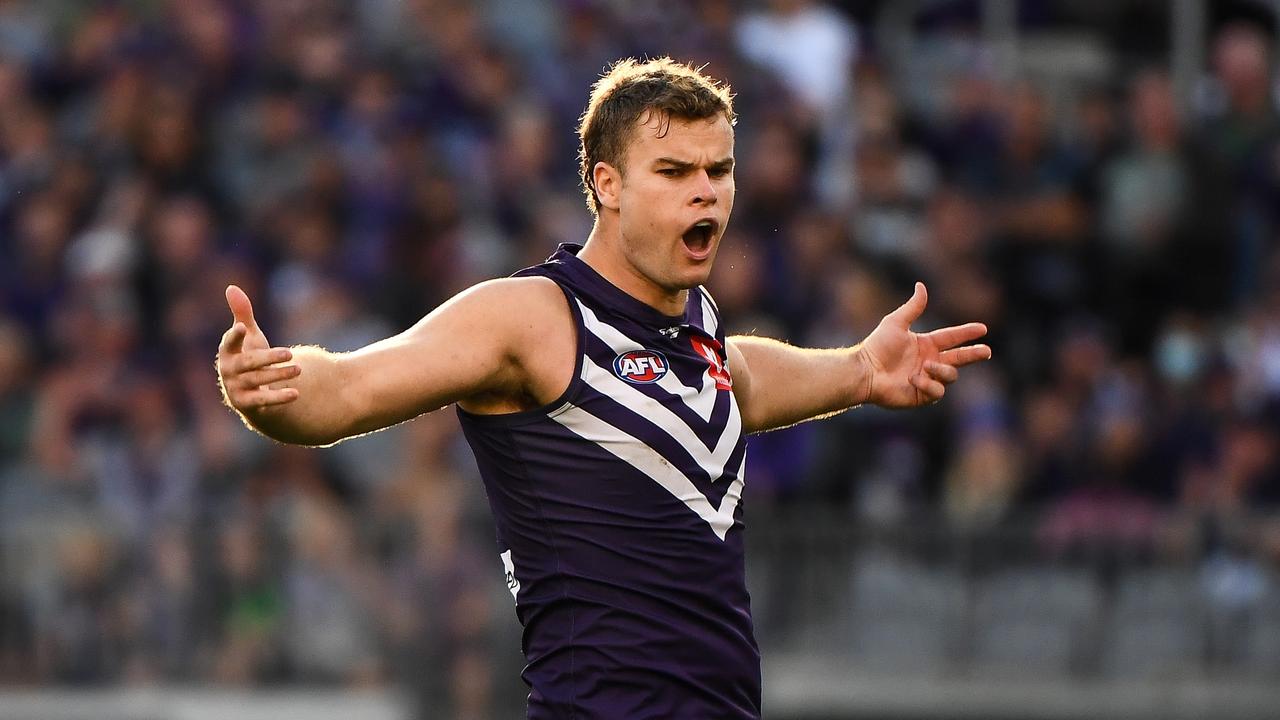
{"x": 787, "y": 385}
{"x": 462, "y": 348}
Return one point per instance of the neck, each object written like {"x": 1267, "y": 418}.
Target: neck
{"x": 603, "y": 253}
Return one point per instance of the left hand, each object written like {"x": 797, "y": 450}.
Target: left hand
{"x": 907, "y": 369}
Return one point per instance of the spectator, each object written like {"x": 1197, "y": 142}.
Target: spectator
{"x": 1241, "y": 136}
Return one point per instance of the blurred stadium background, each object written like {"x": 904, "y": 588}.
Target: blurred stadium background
{"x": 1085, "y": 528}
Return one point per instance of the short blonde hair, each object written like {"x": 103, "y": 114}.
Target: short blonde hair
{"x": 627, "y": 91}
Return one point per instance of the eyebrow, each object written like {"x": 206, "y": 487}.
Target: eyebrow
{"x": 725, "y": 164}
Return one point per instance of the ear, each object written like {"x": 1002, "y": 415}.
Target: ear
{"x": 608, "y": 183}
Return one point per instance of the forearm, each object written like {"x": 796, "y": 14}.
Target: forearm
{"x": 319, "y": 416}
{"x": 789, "y": 385}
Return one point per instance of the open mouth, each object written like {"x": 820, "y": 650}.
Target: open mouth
{"x": 698, "y": 237}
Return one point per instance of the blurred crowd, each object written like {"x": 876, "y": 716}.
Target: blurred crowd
{"x": 351, "y": 165}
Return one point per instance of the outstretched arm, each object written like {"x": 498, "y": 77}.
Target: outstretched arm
{"x": 777, "y": 385}
{"x": 469, "y": 347}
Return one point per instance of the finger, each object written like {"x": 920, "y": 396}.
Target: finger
{"x": 942, "y": 372}
{"x": 912, "y": 309}
{"x": 240, "y": 306}
{"x": 257, "y": 359}
{"x": 266, "y": 397}
{"x": 950, "y": 337}
{"x": 932, "y": 390}
{"x": 233, "y": 339}
{"x": 266, "y": 376}
{"x": 961, "y": 356}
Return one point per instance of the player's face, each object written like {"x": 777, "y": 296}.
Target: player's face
{"x": 675, "y": 199}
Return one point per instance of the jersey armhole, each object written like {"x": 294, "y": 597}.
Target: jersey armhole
{"x": 561, "y": 403}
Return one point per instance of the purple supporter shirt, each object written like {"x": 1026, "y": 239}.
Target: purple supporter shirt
{"x": 619, "y": 519}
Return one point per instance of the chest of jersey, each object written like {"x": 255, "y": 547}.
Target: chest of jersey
{"x": 661, "y": 402}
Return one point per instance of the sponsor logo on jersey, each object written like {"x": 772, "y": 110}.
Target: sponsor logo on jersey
{"x": 710, "y": 351}
{"x": 640, "y": 367}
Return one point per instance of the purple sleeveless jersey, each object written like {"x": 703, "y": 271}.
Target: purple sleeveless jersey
{"x": 618, "y": 516}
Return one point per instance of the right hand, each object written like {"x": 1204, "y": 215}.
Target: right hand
{"x": 248, "y": 365}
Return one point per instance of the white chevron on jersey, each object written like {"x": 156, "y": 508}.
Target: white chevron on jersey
{"x": 603, "y": 381}
{"x": 640, "y": 456}
{"x": 700, "y": 400}
{"x": 709, "y": 322}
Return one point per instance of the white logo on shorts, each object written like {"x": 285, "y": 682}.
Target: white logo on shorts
{"x": 512, "y": 583}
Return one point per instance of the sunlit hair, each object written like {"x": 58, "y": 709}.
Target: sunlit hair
{"x": 629, "y": 91}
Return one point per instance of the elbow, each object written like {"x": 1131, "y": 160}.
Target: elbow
{"x": 286, "y": 431}
{"x": 315, "y": 439}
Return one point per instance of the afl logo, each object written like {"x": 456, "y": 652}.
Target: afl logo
{"x": 640, "y": 366}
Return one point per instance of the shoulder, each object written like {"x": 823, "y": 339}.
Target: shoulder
{"x": 537, "y": 289}
{"x": 527, "y": 326}
{"x": 514, "y": 307}
{"x": 494, "y": 312}
{"x": 499, "y": 297}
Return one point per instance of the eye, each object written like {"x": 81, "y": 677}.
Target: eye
{"x": 669, "y": 172}
{"x": 719, "y": 172}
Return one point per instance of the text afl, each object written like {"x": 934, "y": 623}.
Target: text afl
{"x": 640, "y": 366}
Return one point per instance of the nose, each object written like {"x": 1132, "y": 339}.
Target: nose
{"x": 704, "y": 192}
